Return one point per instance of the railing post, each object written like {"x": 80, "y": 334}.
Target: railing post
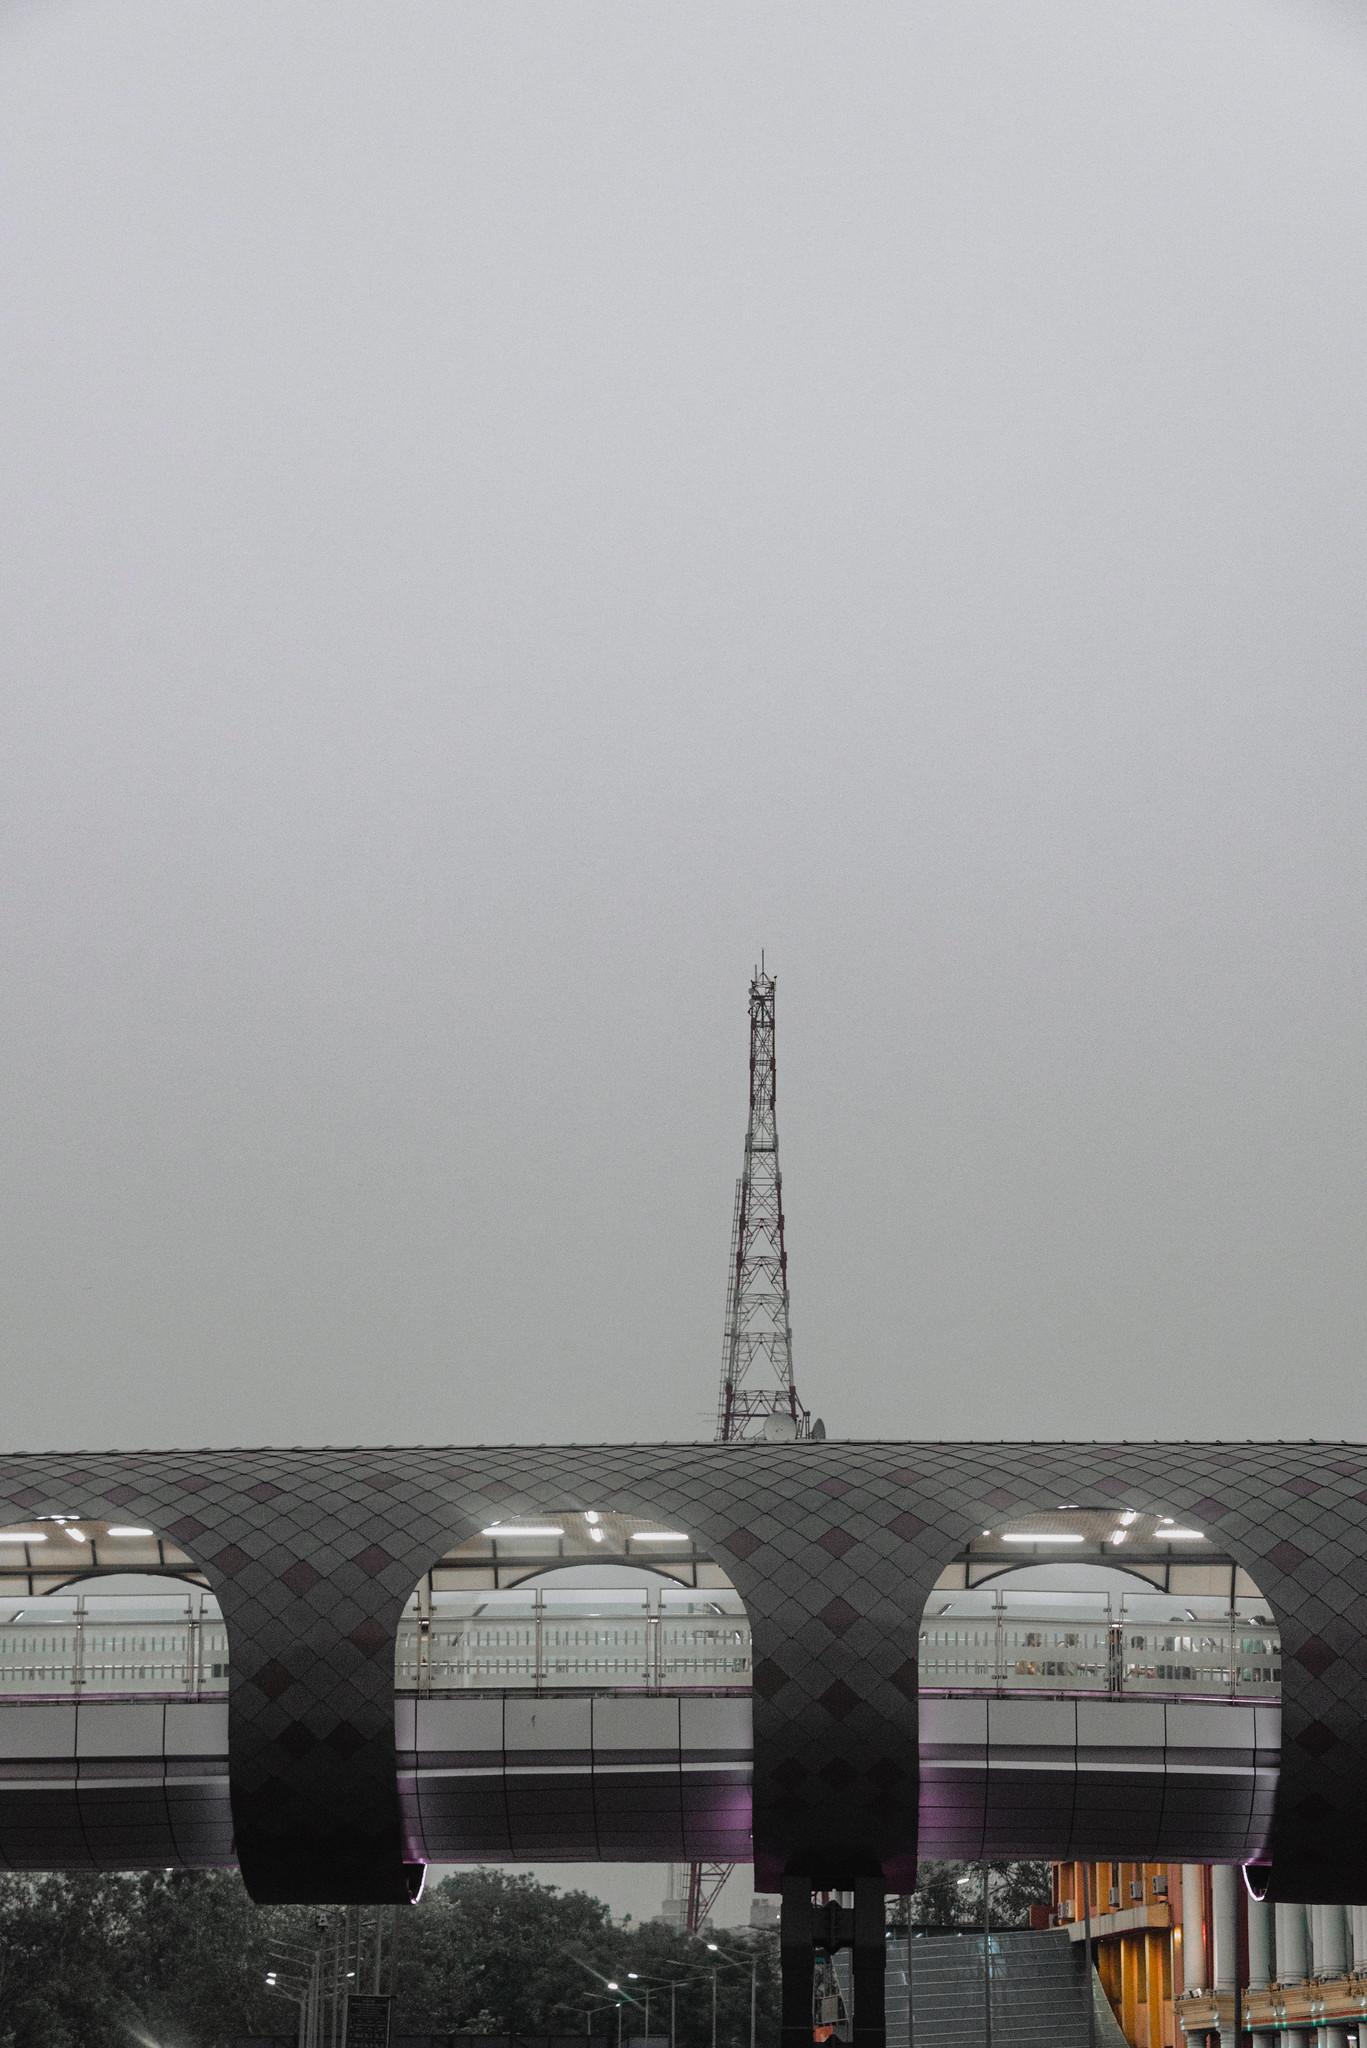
{"x": 78, "y": 1647}
{"x": 422, "y": 1639}
{"x": 538, "y": 1638}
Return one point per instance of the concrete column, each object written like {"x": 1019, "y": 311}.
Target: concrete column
{"x": 1260, "y": 1962}
{"x": 1259, "y": 1944}
{"x": 1329, "y": 1941}
{"x": 1224, "y": 1883}
{"x": 796, "y": 1929}
{"x": 1292, "y": 1966}
{"x": 1195, "y": 1962}
{"x": 1357, "y": 1926}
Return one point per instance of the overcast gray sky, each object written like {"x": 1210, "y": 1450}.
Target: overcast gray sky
{"x": 507, "y": 510}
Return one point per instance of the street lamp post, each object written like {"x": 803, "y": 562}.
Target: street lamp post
{"x": 591, "y": 2010}
{"x": 733, "y": 1962}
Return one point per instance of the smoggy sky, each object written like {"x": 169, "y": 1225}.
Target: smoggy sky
{"x": 505, "y": 511}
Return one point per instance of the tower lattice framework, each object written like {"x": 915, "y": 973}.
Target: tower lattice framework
{"x": 758, "y": 1394}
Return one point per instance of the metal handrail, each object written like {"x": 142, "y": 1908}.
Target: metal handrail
{"x": 539, "y": 1647}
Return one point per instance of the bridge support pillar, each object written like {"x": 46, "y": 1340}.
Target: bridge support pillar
{"x": 805, "y": 1930}
{"x": 796, "y": 1952}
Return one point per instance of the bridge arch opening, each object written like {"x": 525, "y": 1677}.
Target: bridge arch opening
{"x": 113, "y": 1673}
{"x": 1098, "y": 1683}
{"x": 575, "y": 1686}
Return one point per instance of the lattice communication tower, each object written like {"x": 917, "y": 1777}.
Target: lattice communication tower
{"x": 758, "y": 1394}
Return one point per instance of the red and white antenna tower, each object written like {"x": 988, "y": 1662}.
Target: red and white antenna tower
{"x": 758, "y": 1394}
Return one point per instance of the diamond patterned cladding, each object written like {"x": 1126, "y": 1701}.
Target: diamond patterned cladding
{"x": 323, "y": 1822}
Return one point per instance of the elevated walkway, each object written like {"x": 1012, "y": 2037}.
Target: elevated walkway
{"x": 143, "y": 1783}
{"x": 579, "y": 1687}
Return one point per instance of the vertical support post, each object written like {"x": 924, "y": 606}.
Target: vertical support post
{"x": 796, "y": 1927}
{"x": 422, "y": 1638}
{"x": 870, "y": 1964}
{"x": 1224, "y": 1921}
{"x": 987, "y": 1955}
{"x": 1090, "y": 1961}
{"x": 1195, "y": 1974}
{"x": 539, "y": 1638}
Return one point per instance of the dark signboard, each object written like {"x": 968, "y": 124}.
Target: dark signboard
{"x": 367, "y": 2020}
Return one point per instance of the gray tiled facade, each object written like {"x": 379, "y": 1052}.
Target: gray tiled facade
{"x": 834, "y": 1548}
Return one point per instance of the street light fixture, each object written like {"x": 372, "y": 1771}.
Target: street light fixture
{"x": 734, "y": 1963}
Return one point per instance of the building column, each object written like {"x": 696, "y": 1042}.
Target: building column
{"x": 1260, "y": 1960}
{"x": 1329, "y": 1940}
{"x": 1195, "y": 1962}
{"x": 1224, "y": 1894}
{"x": 1329, "y": 1959}
{"x": 1357, "y": 1928}
{"x": 1292, "y": 1966}
{"x": 1259, "y": 1944}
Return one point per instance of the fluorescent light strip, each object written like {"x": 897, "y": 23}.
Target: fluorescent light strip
{"x": 1045, "y": 1536}
{"x": 1182, "y": 1535}
{"x": 130, "y": 1532}
{"x": 77, "y": 1535}
{"x": 40, "y": 1536}
{"x": 522, "y": 1529}
{"x": 659, "y": 1536}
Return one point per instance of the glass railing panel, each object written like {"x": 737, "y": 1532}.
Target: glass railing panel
{"x": 699, "y": 1650}
{"x": 38, "y": 1660}
{"x": 124, "y": 1659}
{"x": 1050, "y": 1658}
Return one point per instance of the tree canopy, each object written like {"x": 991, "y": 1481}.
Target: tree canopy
{"x": 179, "y": 1959}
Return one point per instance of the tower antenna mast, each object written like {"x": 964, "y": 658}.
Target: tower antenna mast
{"x": 758, "y": 1395}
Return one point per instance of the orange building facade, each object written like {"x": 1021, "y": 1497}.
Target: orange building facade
{"x": 1184, "y": 1953}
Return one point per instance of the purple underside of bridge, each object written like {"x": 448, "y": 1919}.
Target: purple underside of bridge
{"x": 653, "y": 1814}
{"x": 138, "y": 1813}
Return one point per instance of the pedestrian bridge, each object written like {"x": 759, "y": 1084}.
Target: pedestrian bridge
{"x": 558, "y": 1697}
{"x": 407, "y": 1671}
